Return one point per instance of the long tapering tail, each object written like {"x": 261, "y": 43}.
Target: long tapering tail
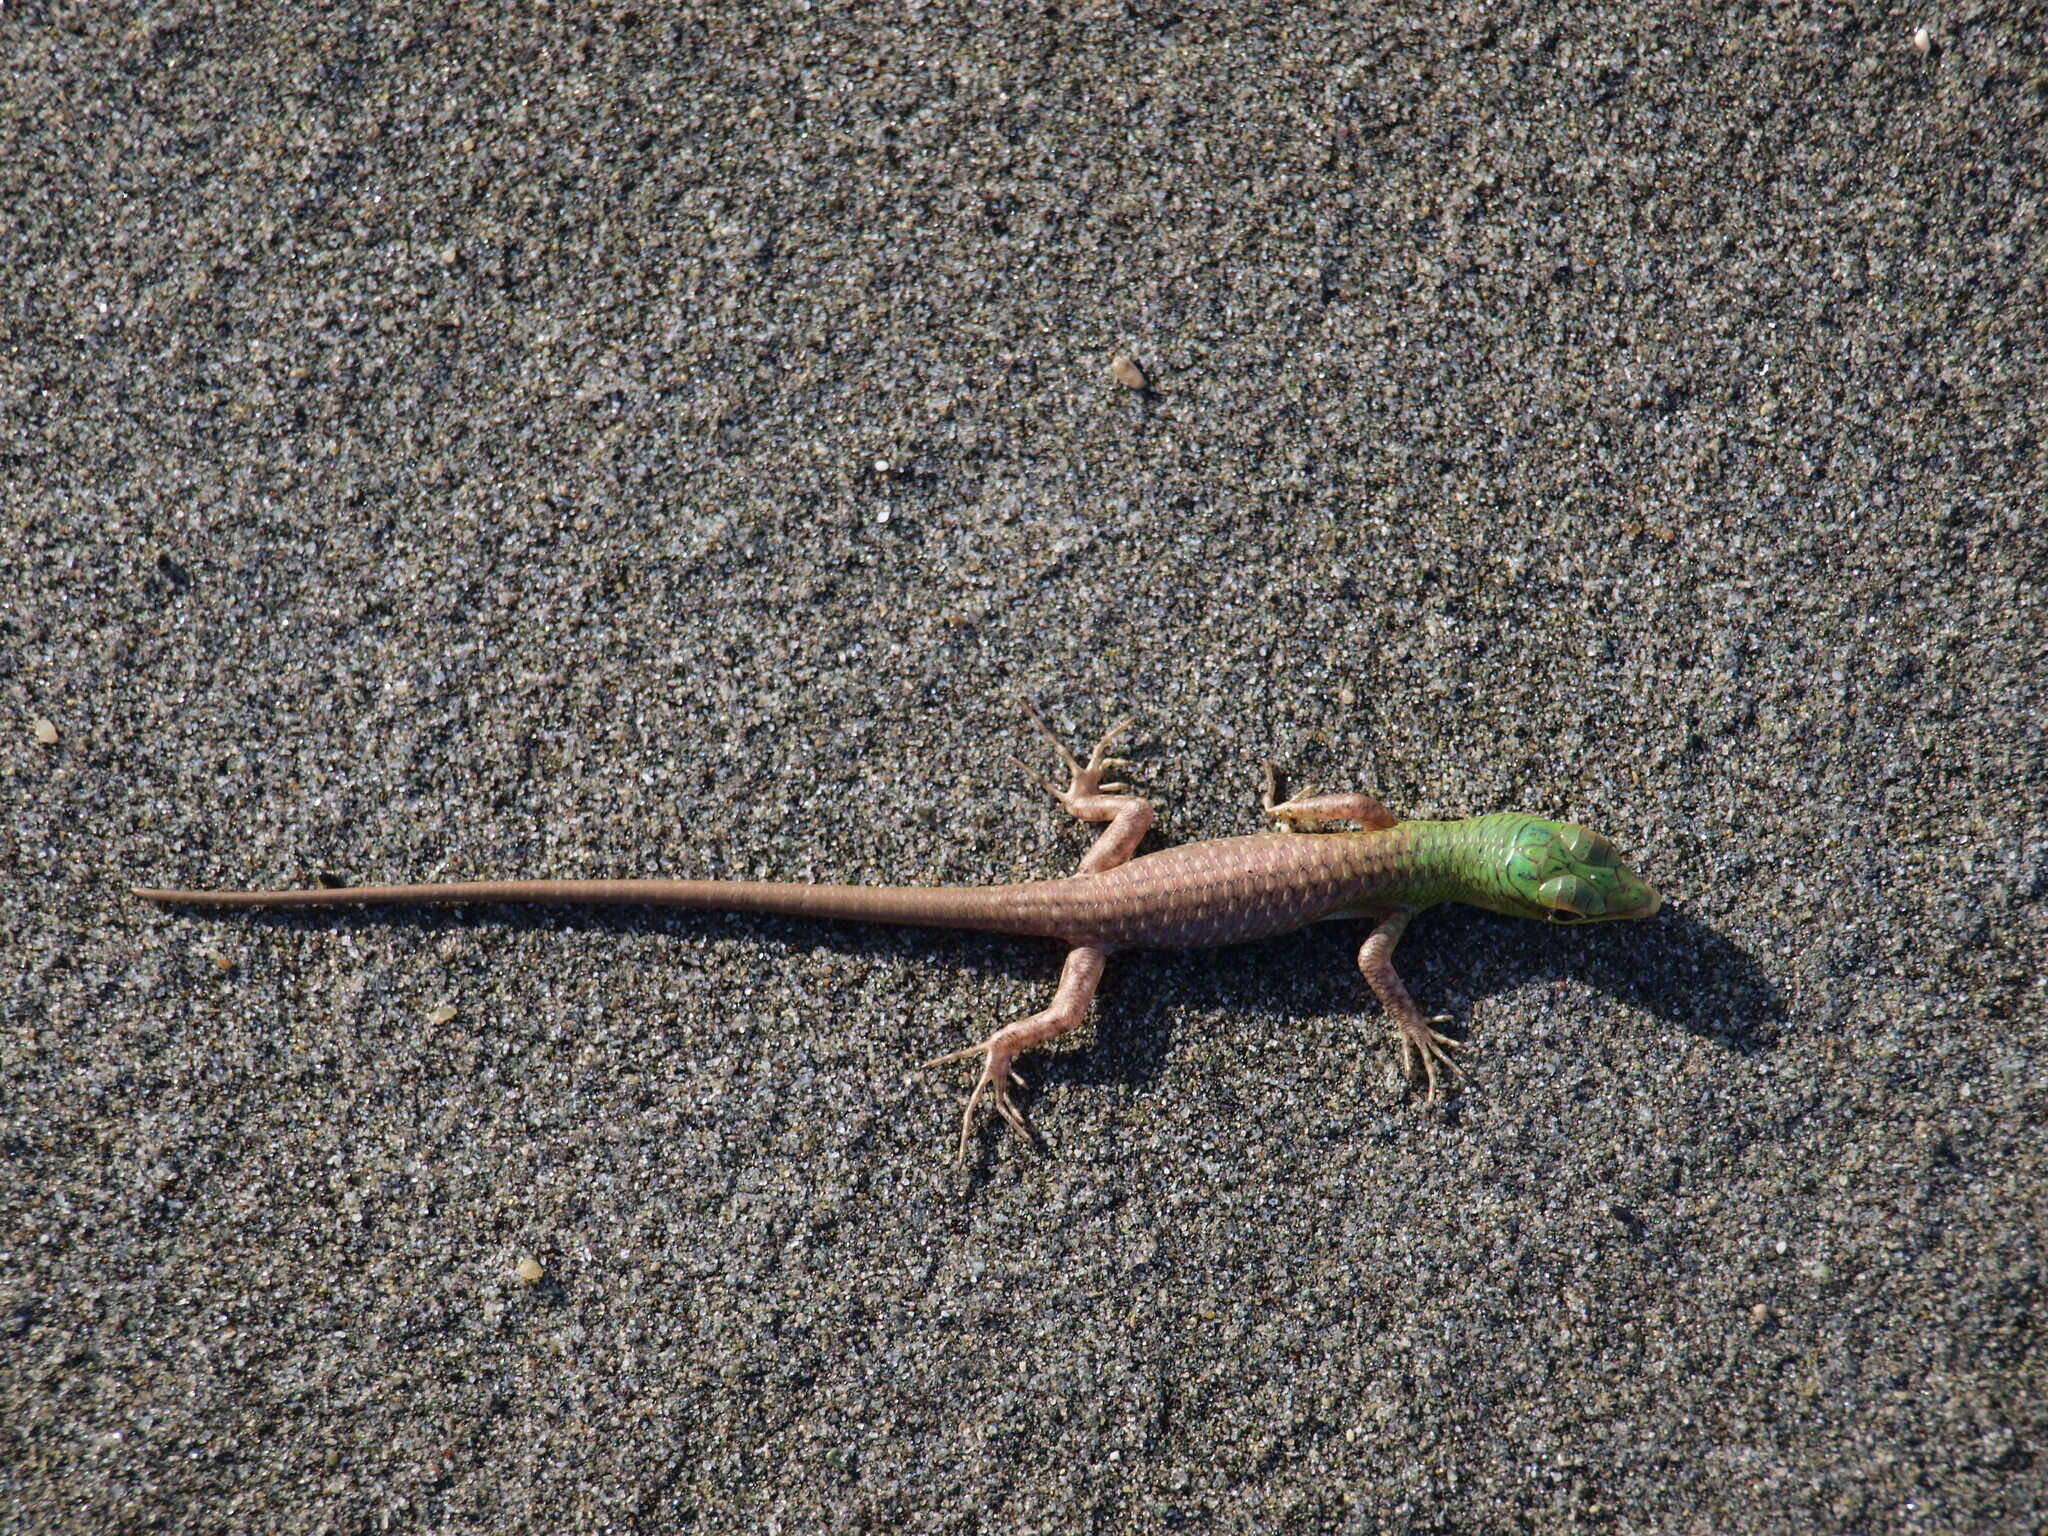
{"x": 989, "y": 908}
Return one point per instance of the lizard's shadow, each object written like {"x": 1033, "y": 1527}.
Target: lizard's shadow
{"x": 1673, "y": 967}
{"x": 880, "y": 941}
{"x": 965, "y": 951}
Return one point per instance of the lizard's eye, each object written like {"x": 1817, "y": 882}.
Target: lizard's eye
{"x": 1567, "y": 897}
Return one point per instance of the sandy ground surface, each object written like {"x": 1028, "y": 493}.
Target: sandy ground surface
{"x": 670, "y": 440}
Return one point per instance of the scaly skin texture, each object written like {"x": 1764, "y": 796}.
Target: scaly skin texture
{"x": 1225, "y": 891}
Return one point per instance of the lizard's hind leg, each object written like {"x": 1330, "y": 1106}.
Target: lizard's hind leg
{"x": 1069, "y": 1006}
{"x": 1087, "y": 798}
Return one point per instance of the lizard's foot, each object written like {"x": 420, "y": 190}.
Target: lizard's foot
{"x": 999, "y": 1052}
{"x": 1270, "y": 804}
{"x": 1418, "y": 1039}
{"x": 1084, "y": 780}
{"x": 1087, "y": 798}
{"x": 997, "y": 1078}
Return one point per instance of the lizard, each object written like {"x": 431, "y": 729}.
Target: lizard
{"x": 1221, "y": 891}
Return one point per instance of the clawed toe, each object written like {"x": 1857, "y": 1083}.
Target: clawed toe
{"x": 1420, "y": 1041}
{"x": 1039, "y": 779}
{"x": 1012, "y": 1116}
{"x": 951, "y": 1056}
{"x": 1100, "y": 759}
{"x": 994, "y": 1084}
{"x": 997, "y": 1078}
{"x": 1073, "y": 763}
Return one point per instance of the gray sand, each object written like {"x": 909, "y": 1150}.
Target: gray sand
{"x": 502, "y": 442}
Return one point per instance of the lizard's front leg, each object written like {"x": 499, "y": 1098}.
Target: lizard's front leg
{"x": 1352, "y": 806}
{"x": 1069, "y": 1006}
{"x": 1087, "y": 798}
{"x": 1376, "y": 960}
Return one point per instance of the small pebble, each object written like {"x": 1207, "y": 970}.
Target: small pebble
{"x": 46, "y": 731}
{"x": 1922, "y": 41}
{"x": 442, "y": 1013}
{"x": 529, "y": 1271}
{"x": 1126, "y": 372}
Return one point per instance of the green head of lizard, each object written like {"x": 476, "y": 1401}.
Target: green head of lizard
{"x": 1560, "y": 873}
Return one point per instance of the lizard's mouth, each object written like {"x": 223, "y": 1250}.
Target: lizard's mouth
{"x": 1634, "y": 899}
